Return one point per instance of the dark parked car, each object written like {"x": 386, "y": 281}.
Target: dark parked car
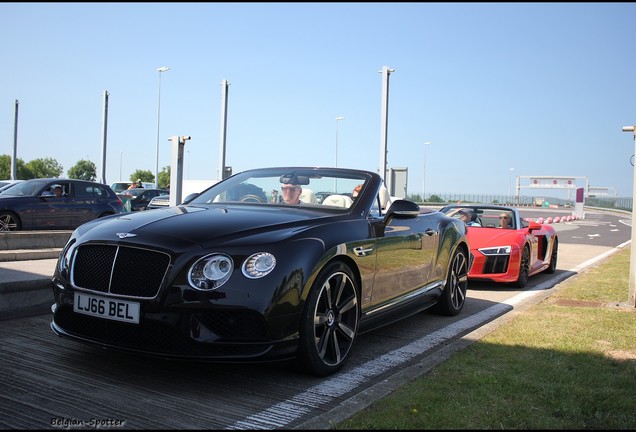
{"x": 237, "y": 275}
{"x": 163, "y": 201}
{"x": 32, "y": 204}
{"x": 137, "y": 199}
{"x": 6, "y": 184}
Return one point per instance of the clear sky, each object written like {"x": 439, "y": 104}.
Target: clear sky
{"x": 499, "y": 89}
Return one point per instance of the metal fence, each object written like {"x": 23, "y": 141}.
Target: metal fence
{"x": 523, "y": 200}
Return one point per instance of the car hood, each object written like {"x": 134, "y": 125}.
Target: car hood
{"x": 181, "y": 226}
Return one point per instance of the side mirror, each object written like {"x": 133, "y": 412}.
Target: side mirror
{"x": 402, "y": 209}
{"x": 190, "y": 198}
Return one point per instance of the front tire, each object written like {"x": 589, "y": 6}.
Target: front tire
{"x": 329, "y": 323}
{"x": 453, "y": 297}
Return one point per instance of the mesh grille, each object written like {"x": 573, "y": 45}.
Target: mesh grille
{"x": 120, "y": 270}
{"x": 496, "y": 264}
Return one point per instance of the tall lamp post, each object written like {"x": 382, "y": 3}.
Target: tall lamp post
{"x": 337, "y": 121}
{"x": 160, "y": 70}
{"x": 424, "y": 173}
{"x": 632, "y": 257}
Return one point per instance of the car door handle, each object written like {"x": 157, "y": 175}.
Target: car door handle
{"x": 430, "y": 232}
{"x": 360, "y": 251}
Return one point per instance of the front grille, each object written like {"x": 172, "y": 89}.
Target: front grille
{"x": 496, "y": 264}
{"x": 119, "y": 270}
{"x": 158, "y": 202}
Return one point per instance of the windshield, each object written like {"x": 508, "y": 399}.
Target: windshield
{"x": 328, "y": 187}
{"x": 26, "y": 188}
{"x": 484, "y": 216}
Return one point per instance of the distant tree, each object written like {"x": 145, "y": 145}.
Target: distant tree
{"x": 83, "y": 170}
{"x": 435, "y": 199}
{"x": 144, "y": 175}
{"x": 44, "y": 167}
{"x": 5, "y": 168}
{"x": 164, "y": 177}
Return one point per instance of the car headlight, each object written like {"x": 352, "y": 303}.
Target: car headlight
{"x": 210, "y": 272}
{"x": 259, "y": 265}
{"x": 64, "y": 260}
{"x": 496, "y": 250}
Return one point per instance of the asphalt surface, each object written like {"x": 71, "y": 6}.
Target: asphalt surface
{"x": 52, "y": 383}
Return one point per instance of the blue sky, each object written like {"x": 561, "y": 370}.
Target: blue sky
{"x": 543, "y": 88}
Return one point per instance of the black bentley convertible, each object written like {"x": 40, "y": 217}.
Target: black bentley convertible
{"x": 238, "y": 275}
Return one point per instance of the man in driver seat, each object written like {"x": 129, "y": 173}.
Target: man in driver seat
{"x": 291, "y": 193}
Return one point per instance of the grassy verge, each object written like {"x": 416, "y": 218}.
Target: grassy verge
{"x": 568, "y": 362}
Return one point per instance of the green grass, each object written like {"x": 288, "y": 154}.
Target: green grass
{"x": 568, "y": 362}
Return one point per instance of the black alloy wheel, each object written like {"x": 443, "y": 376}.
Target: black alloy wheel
{"x": 330, "y": 321}
{"x": 454, "y": 296}
{"x": 9, "y": 222}
{"x": 524, "y": 268}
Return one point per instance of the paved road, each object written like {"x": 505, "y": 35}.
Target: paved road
{"x": 52, "y": 383}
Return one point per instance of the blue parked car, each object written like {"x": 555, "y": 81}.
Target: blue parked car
{"x": 34, "y": 205}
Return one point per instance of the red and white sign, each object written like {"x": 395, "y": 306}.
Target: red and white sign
{"x": 552, "y": 183}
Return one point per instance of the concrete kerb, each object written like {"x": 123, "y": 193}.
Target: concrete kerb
{"x": 25, "y": 287}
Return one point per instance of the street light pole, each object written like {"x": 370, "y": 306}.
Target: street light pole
{"x": 160, "y": 70}
{"x": 337, "y": 121}
{"x": 632, "y": 258}
{"x": 424, "y": 173}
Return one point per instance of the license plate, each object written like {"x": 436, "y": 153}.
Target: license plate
{"x": 103, "y": 307}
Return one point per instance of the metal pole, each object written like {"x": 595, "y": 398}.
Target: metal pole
{"x": 337, "y": 121}
{"x": 224, "y": 91}
{"x": 104, "y": 134}
{"x": 15, "y": 144}
{"x": 176, "y": 169}
{"x": 632, "y": 259}
{"x": 160, "y": 70}
{"x": 384, "y": 123}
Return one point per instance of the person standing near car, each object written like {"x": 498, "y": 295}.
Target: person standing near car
{"x": 138, "y": 184}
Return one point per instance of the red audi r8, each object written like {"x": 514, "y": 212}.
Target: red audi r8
{"x": 506, "y": 248}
